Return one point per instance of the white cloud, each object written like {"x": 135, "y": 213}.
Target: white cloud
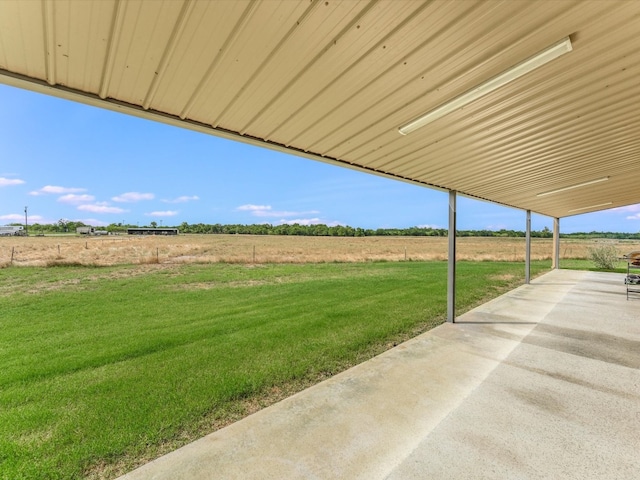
{"x": 73, "y": 198}
{"x": 6, "y": 182}
{"x": 18, "y": 217}
{"x": 254, "y": 208}
{"x": 500, "y": 226}
{"x": 634, "y": 217}
{"x": 100, "y": 208}
{"x": 52, "y": 189}
{"x": 266, "y": 211}
{"x": 166, "y": 213}
{"x": 274, "y": 214}
{"x": 12, "y": 217}
{"x": 183, "y": 199}
{"x": 628, "y": 208}
{"x": 427, "y": 225}
{"x": 302, "y": 221}
{"x": 131, "y": 197}
{"x": 92, "y": 221}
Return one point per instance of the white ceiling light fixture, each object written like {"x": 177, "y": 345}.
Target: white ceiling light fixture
{"x": 545, "y": 56}
{"x": 570, "y": 187}
{"x": 590, "y": 207}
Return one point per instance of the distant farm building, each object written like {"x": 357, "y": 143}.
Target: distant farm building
{"x": 90, "y": 231}
{"x": 152, "y": 231}
{"x": 10, "y": 231}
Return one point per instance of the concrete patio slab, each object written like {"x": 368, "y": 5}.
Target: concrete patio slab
{"x": 543, "y": 382}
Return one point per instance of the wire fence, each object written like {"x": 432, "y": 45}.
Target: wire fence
{"x": 253, "y": 249}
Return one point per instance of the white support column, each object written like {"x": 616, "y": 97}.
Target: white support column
{"x": 527, "y": 252}
{"x": 451, "y": 274}
{"x": 555, "y": 263}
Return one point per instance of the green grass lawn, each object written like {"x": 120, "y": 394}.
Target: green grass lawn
{"x": 582, "y": 264}
{"x": 103, "y": 368}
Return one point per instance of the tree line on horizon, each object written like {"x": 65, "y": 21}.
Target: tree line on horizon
{"x": 322, "y": 230}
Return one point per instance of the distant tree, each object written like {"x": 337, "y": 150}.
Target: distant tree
{"x": 63, "y": 225}
{"x": 336, "y": 230}
{"x": 71, "y": 226}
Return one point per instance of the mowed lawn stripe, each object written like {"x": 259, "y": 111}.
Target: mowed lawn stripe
{"x": 125, "y": 323}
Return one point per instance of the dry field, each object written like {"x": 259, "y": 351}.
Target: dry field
{"x": 115, "y": 250}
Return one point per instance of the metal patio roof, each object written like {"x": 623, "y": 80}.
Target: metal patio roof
{"x": 334, "y": 80}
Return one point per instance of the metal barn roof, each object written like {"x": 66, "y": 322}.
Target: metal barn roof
{"x": 334, "y": 80}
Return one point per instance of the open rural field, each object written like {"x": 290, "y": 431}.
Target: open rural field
{"x": 118, "y": 250}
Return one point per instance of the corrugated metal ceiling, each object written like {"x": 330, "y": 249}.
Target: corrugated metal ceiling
{"x": 333, "y": 80}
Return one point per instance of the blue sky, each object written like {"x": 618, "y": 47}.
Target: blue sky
{"x": 65, "y": 160}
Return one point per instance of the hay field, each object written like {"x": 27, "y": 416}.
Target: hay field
{"x": 117, "y": 250}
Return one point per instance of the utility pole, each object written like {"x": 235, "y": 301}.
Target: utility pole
{"x": 26, "y": 223}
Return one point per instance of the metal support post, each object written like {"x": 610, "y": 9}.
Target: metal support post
{"x": 451, "y": 274}
{"x": 527, "y": 252}
{"x": 555, "y": 264}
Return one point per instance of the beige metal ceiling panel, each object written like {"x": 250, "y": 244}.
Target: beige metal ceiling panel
{"x": 404, "y": 64}
{"x": 193, "y": 56}
{"x": 523, "y": 185}
{"x": 564, "y": 133}
{"x": 379, "y": 47}
{"x": 366, "y": 52}
{"x": 448, "y": 74}
{"x": 342, "y": 53}
{"x": 360, "y": 143}
{"x": 334, "y": 79}
{"x": 549, "y": 160}
{"x": 245, "y": 60}
{"x": 378, "y": 55}
{"x": 22, "y": 39}
{"x": 77, "y": 45}
{"x": 310, "y": 40}
{"x": 149, "y": 27}
{"x": 515, "y": 143}
{"x": 536, "y": 180}
{"x": 510, "y": 121}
